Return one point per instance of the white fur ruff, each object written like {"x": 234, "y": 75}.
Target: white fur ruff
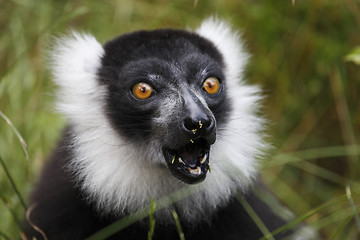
{"x": 119, "y": 177}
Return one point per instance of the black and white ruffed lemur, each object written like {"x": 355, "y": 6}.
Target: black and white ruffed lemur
{"x": 149, "y": 113}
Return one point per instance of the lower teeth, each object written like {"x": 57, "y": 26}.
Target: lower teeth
{"x": 196, "y": 171}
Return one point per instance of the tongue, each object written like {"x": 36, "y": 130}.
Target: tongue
{"x": 190, "y": 155}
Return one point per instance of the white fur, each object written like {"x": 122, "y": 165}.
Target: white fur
{"x": 120, "y": 177}
{"x": 241, "y": 142}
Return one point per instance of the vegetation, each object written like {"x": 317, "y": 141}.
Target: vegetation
{"x": 304, "y": 56}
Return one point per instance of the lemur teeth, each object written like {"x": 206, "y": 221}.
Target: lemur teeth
{"x": 196, "y": 171}
{"x": 181, "y": 161}
{"x": 203, "y": 159}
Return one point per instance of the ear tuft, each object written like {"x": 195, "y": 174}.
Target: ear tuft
{"x": 77, "y": 53}
{"x": 228, "y": 42}
{"x": 75, "y": 61}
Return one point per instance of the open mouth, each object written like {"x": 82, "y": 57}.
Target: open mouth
{"x": 189, "y": 163}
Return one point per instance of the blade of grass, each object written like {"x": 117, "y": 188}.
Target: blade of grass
{"x": 286, "y": 192}
{"x": 313, "y": 153}
{"x": 12, "y": 212}
{"x": 195, "y": 3}
{"x": 343, "y": 114}
{"x": 59, "y": 17}
{"x": 142, "y": 213}
{"x": 118, "y": 225}
{"x": 34, "y": 226}
{"x": 353, "y": 7}
{"x": 178, "y": 225}
{"x": 353, "y": 56}
{"x": 341, "y": 227}
{"x": 165, "y": 11}
{"x": 305, "y": 125}
{"x": 22, "y": 141}
{"x": 13, "y": 183}
{"x": 351, "y": 202}
{"x": 323, "y": 173}
{"x": 310, "y": 213}
{"x": 255, "y": 217}
{"x": 3, "y": 235}
{"x": 151, "y": 218}
{"x": 333, "y": 216}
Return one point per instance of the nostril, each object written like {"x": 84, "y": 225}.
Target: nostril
{"x": 199, "y": 125}
{"x": 210, "y": 124}
{"x": 190, "y": 124}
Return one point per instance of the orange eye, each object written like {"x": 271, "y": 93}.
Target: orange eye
{"x": 211, "y": 85}
{"x": 142, "y": 91}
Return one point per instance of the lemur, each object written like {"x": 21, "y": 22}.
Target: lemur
{"x": 151, "y": 113}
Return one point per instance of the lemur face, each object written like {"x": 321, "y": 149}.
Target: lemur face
{"x": 149, "y": 111}
{"x": 167, "y": 91}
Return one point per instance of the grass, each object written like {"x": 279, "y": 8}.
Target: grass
{"x": 304, "y": 56}
{"x": 250, "y": 211}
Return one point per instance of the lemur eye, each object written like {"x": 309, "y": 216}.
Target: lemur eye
{"x": 142, "y": 91}
{"x": 211, "y": 85}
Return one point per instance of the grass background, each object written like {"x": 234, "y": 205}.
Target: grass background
{"x": 298, "y": 58}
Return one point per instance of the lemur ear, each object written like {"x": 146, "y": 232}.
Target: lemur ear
{"x": 75, "y": 60}
{"x": 228, "y": 42}
{"x": 74, "y": 56}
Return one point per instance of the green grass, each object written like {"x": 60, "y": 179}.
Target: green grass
{"x": 301, "y": 58}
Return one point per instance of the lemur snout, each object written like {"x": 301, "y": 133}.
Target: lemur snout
{"x": 198, "y": 120}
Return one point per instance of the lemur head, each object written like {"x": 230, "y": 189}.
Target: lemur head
{"x": 167, "y": 87}
{"x": 151, "y": 111}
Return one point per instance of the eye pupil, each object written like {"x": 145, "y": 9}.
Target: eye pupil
{"x": 211, "y": 85}
{"x": 142, "y": 91}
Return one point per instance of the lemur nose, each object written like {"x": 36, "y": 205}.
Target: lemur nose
{"x": 198, "y": 119}
{"x": 199, "y": 125}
